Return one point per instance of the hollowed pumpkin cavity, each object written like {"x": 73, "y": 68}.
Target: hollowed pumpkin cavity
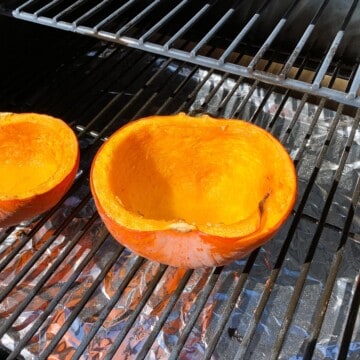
{"x": 39, "y": 158}
{"x": 181, "y": 175}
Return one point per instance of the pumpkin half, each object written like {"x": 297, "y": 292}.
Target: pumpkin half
{"x": 39, "y": 158}
{"x": 192, "y": 192}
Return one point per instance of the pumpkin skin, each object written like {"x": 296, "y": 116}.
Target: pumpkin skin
{"x": 39, "y": 159}
{"x": 192, "y": 192}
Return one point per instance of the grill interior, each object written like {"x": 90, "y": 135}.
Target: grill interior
{"x": 245, "y": 35}
{"x": 68, "y": 290}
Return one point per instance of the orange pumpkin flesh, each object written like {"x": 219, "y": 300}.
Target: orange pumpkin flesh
{"x": 39, "y": 158}
{"x": 192, "y": 192}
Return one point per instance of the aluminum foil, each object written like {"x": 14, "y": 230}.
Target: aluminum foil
{"x": 103, "y": 301}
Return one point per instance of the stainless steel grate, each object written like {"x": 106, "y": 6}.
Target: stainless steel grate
{"x": 271, "y": 25}
{"x": 69, "y": 291}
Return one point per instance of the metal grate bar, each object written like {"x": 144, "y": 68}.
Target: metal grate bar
{"x": 186, "y": 26}
{"x": 324, "y": 301}
{"x": 307, "y": 263}
{"x": 55, "y": 301}
{"x": 163, "y": 21}
{"x": 289, "y": 129}
{"x": 298, "y": 110}
{"x": 68, "y": 9}
{"x": 90, "y": 12}
{"x": 106, "y": 127}
{"x": 148, "y": 83}
{"x": 212, "y": 32}
{"x": 128, "y": 105}
{"x": 271, "y": 37}
{"x": 23, "y": 242}
{"x": 199, "y": 306}
{"x": 236, "y": 293}
{"x": 86, "y": 296}
{"x": 42, "y": 221}
{"x": 35, "y": 330}
{"x": 242, "y": 33}
{"x": 281, "y": 257}
{"x": 211, "y": 94}
{"x": 230, "y": 304}
{"x": 166, "y": 312}
{"x": 302, "y": 148}
{"x": 107, "y": 309}
{"x": 300, "y": 45}
{"x": 41, "y": 251}
{"x": 46, "y": 7}
{"x": 198, "y": 87}
{"x": 155, "y": 94}
{"x": 350, "y": 322}
{"x": 254, "y": 116}
{"x": 190, "y": 97}
{"x": 282, "y": 104}
{"x": 116, "y": 297}
{"x": 116, "y": 98}
{"x": 135, "y": 313}
{"x": 90, "y": 124}
{"x": 116, "y": 13}
{"x": 241, "y": 106}
{"x": 170, "y": 98}
{"x": 38, "y": 225}
{"x": 327, "y": 61}
{"x": 334, "y": 228}
{"x": 94, "y": 77}
{"x": 222, "y": 63}
{"x": 25, "y": 4}
{"x": 35, "y": 229}
{"x": 227, "y": 98}
{"x": 355, "y": 85}
{"x": 298, "y": 74}
{"x": 194, "y": 112}
{"x": 237, "y": 40}
{"x": 137, "y": 18}
{"x": 335, "y": 44}
{"x": 134, "y": 60}
{"x": 6, "y": 233}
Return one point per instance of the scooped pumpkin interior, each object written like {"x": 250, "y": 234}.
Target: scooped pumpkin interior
{"x": 182, "y": 173}
{"x": 22, "y": 167}
{"x": 33, "y": 154}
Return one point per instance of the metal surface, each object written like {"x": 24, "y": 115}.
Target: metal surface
{"x": 69, "y": 291}
{"x": 329, "y": 27}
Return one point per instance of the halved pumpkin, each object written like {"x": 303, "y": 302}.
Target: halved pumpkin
{"x": 39, "y": 158}
{"x": 192, "y": 192}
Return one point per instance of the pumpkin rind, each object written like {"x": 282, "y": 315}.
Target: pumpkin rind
{"x": 226, "y": 155}
{"x": 43, "y": 143}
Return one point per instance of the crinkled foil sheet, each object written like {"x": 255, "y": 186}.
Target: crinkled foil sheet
{"x": 132, "y": 307}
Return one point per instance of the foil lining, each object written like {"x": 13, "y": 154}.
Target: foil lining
{"x": 121, "y": 305}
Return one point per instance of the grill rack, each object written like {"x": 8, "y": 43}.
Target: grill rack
{"x": 144, "y": 101}
{"x": 114, "y": 21}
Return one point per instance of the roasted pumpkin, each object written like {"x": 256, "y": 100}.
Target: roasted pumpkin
{"x": 192, "y": 192}
{"x": 39, "y": 158}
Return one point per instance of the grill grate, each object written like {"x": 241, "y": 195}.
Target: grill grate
{"x": 231, "y": 25}
{"x": 68, "y": 290}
